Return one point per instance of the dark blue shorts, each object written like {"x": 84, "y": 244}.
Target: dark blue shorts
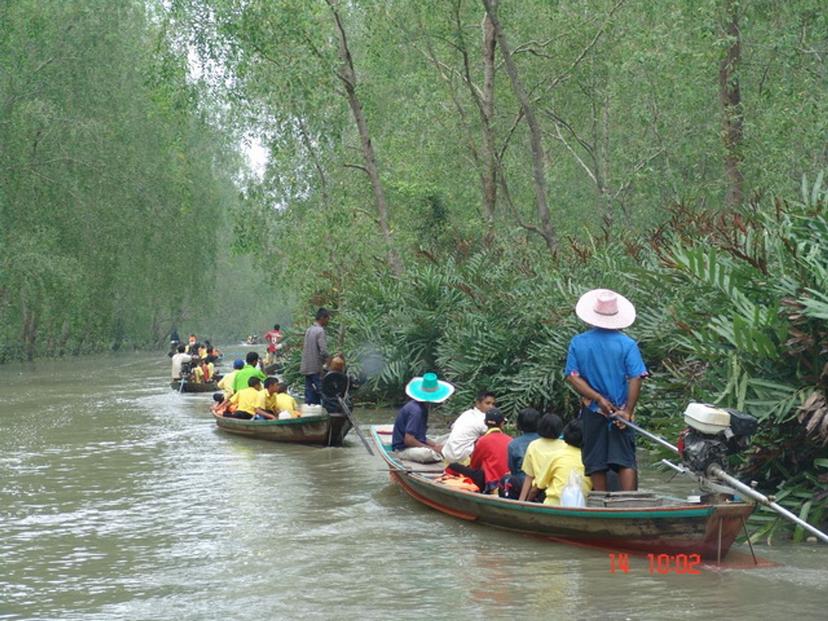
{"x": 606, "y": 447}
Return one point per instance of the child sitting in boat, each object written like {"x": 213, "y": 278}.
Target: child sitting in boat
{"x": 539, "y": 454}
{"x": 249, "y": 401}
{"x": 489, "y": 459}
{"x": 277, "y": 399}
{"x": 555, "y": 476}
{"x": 468, "y": 429}
{"x": 527, "y": 424}
{"x": 226, "y": 382}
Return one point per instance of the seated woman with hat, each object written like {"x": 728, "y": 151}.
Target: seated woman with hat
{"x": 409, "y": 438}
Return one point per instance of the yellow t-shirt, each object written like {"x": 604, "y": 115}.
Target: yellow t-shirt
{"x": 284, "y": 401}
{"x": 538, "y": 455}
{"x": 248, "y": 399}
{"x": 556, "y": 475}
{"x": 226, "y": 384}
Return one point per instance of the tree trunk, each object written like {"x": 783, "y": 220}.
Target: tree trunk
{"x": 603, "y": 168}
{"x": 29, "y": 331}
{"x": 490, "y": 165}
{"x": 731, "y": 100}
{"x": 538, "y": 161}
{"x": 347, "y": 76}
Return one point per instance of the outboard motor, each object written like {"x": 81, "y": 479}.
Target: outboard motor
{"x": 712, "y": 435}
{"x": 186, "y": 368}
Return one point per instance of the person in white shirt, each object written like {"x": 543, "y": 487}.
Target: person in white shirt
{"x": 468, "y": 427}
{"x": 177, "y": 359}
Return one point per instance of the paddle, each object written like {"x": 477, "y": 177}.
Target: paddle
{"x": 346, "y": 410}
{"x": 718, "y": 473}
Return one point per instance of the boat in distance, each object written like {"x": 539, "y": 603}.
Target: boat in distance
{"x": 194, "y": 386}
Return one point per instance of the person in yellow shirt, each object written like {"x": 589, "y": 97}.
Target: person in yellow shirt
{"x": 249, "y": 401}
{"x": 204, "y": 370}
{"x": 540, "y": 453}
{"x": 226, "y": 382}
{"x": 556, "y": 475}
{"x": 278, "y": 400}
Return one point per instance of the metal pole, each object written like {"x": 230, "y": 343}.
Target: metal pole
{"x": 646, "y": 433}
{"x": 357, "y": 430}
{"x": 748, "y": 491}
{"x": 750, "y": 544}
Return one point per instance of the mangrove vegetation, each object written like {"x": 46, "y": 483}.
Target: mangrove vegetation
{"x": 446, "y": 176}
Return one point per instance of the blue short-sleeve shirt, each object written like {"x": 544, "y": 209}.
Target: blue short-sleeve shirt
{"x": 606, "y": 359}
{"x": 413, "y": 419}
{"x": 517, "y": 451}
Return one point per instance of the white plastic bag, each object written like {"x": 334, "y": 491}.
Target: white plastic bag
{"x": 573, "y": 495}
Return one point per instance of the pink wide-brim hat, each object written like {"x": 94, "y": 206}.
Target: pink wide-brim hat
{"x": 607, "y": 309}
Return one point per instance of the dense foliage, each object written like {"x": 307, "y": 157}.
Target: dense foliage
{"x": 448, "y": 176}
{"x": 112, "y": 180}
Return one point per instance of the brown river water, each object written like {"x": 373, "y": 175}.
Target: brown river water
{"x": 119, "y": 499}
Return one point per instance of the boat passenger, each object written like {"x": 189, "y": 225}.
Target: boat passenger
{"x": 605, "y": 367}
{"x": 249, "y": 370}
{"x": 203, "y": 371}
{"x": 213, "y": 350}
{"x": 314, "y": 357}
{"x": 177, "y": 360}
{"x": 527, "y": 424}
{"x": 192, "y": 344}
{"x": 277, "y": 399}
{"x": 249, "y": 401}
{"x": 468, "y": 428}
{"x": 538, "y": 455}
{"x": 409, "y": 438}
{"x": 226, "y": 382}
{"x": 556, "y": 475}
{"x": 337, "y": 377}
{"x": 489, "y": 461}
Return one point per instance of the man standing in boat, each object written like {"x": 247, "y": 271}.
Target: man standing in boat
{"x": 314, "y": 357}
{"x": 177, "y": 360}
{"x": 273, "y": 338}
{"x": 409, "y": 437}
{"x": 605, "y": 367}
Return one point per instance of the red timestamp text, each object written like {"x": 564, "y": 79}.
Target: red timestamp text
{"x": 681, "y": 564}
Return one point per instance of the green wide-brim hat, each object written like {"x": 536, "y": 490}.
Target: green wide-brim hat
{"x": 429, "y": 389}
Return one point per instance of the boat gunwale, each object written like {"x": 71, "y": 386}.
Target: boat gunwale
{"x": 287, "y": 422}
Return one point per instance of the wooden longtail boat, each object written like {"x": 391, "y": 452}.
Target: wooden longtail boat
{"x": 194, "y": 386}
{"x": 658, "y": 524}
{"x": 322, "y": 430}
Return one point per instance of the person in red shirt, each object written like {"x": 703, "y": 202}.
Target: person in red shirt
{"x": 490, "y": 458}
{"x": 273, "y": 338}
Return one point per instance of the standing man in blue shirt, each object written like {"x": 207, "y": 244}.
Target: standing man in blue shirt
{"x": 605, "y": 367}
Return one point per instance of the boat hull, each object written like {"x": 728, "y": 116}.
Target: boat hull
{"x": 323, "y": 430}
{"x": 194, "y": 387}
{"x": 703, "y": 529}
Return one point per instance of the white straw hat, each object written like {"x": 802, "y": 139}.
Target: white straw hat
{"x": 607, "y": 309}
